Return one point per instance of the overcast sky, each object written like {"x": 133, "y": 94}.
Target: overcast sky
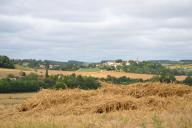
{"x": 94, "y": 30}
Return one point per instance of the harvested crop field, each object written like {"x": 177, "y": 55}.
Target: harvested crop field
{"x": 152, "y": 97}
{"x": 104, "y": 74}
{"x": 5, "y": 72}
{"x": 99, "y": 74}
{"x": 7, "y": 99}
{"x": 152, "y": 105}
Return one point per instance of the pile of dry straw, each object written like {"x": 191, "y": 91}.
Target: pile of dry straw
{"x": 109, "y": 98}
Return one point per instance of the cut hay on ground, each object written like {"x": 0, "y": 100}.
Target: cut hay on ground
{"x": 109, "y": 98}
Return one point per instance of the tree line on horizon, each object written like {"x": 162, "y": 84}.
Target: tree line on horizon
{"x": 143, "y": 67}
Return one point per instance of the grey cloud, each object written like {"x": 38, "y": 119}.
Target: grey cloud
{"x": 95, "y": 30}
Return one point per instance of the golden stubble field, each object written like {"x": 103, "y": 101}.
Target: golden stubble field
{"x": 149, "y": 105}
{"x": 99, "y": 74}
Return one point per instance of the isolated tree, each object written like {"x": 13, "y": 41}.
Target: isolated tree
{"x": 46, "y": 69}
{"x": 5, "y": 62}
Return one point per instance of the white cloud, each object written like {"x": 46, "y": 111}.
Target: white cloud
{"x": 94, "y": 30}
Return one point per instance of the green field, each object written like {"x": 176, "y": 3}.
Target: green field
{"x": 182, "y": 67}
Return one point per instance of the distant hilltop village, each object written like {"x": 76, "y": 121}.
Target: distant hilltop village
{"x": 104, "y": 63}
{"x": 116, "y": 63}
{"x": 146, "y": 66}
{"x": 113, "y": 63}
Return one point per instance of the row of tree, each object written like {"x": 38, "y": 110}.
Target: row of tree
{"x": 145, "y": 67}
{"x": 163, "y": 78}
{"x": 6, "y": 62}
{"x": 24, "y": 83}
{"x": 121, "y": 80}
{"x": 32, "y": 82}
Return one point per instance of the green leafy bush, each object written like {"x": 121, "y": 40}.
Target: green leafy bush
{"x": 7, "y": 85}
{"x": 32, "y": 83}
{"x": 164, "y": 78}
{"x": 188, "y": 81}
{"x": 75, "y": 81}
{"x": 121, "y": 80}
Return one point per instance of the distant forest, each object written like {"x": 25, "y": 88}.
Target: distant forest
{"x": 6, "y": 62}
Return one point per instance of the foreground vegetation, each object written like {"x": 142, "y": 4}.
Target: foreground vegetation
{"x": 124, "y": 119}
{"x": 33, "y": 82}
{"x": 149, "y": 105}
{"x": 9, "y": 99}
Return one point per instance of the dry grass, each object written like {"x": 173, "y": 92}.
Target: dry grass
{"x": 5, "y": 72}
{"x": 14, "y": 98}
{"x": 124, "y": 119}
{"x": 150, "y": 96}
{"x": 102, "y": 74}
{"x": 150, "y": 105}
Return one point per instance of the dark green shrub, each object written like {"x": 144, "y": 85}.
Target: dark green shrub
{"x": 121, "y": 80}
{"x": 71, "y": 81}
{"x": 188, "y": 81}
{"x": 48, "y": 83}
{"x": 60, "y": 85}
{"x": 7, "y": 85}
{"x": 32, "y": 83}
{"x": 164, "y": 78}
